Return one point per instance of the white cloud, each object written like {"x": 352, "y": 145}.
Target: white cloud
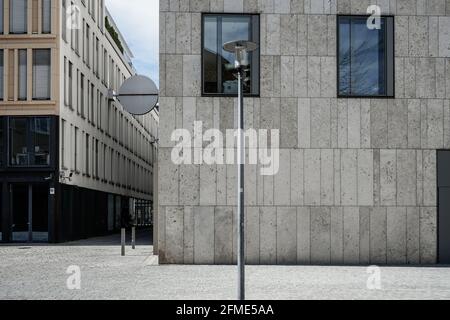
{"x": 138, "y": 21}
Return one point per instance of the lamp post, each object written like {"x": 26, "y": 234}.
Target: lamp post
{"x": 240, "y": 48}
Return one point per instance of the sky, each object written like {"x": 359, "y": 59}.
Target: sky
{"x": 138, "y": 21}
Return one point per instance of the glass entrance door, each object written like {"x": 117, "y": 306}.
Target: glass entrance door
{"x": 1, "y": 204}
{"x": 29, "y": 207}
{"x": 444, "y": 206}
{"x": 21, "y": 229}
{"x": 40, "y": 213}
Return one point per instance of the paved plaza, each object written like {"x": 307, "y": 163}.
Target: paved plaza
{"x": 39, "y": 272}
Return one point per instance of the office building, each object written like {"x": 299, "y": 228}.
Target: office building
{"x": 362, "y": 107}
{"x": 73, "y": 164}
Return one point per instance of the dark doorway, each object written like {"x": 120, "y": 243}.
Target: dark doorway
{"x": 40, "y": 213}
{"x": 19, "y": 209}
{"x": 1, "y": 205}
{"x": 29, "y": 212}
{"x": 444, "y": 206}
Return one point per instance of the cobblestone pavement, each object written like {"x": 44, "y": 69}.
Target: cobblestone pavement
{"x": 39, "y": 272}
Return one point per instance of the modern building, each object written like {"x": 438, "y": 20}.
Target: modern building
{"x": 363, "y": 111}
{"x": 72, "y": 163}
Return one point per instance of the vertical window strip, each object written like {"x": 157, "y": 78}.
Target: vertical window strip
{"x": 70, "y": 85}
{"x": 41, "y": 74}
{"x": 22, "y": 90}
{"x": 65, "y": 82}
{"x": 18, "y": 16}
{"x": 64, "y": 20}
{"x": 63, "y": 143}
{"x": 2, "y": 12}
{"x": 2, "y": 74}
{"x": 35, "y": 16}
{"x": 46, "y": 16}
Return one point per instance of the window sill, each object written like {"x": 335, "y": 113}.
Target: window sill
{"x": 39, "y": 99}
{"x": 210, "y": 95}
{"x": 23, "y": 36}
{"x": 365, "y": 97}
{"x": 28, "y": 102}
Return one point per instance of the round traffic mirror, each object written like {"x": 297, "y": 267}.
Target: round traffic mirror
{"x": 138, "y": 95}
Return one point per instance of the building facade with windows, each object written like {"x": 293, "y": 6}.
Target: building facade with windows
{"x": 363, "y": 114}
{"x": 72, "y": 163}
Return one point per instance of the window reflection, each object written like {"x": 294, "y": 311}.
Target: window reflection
{"x": 363, "y": 58}
{"x": 18, "y": 17}
{"x": 210, "y": 55}
{"x": 1, "y": 143}
{"x": 1, "y": 72}
{"x": 233, "y": 29}
{"x": 29, "y": 141}
{"x": 218, "y": 65}
{"x": 40, "y": 133}
{"x": 41, "y": 74}
{"x": 18, "y": 142}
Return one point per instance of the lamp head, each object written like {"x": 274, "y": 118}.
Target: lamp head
{"x": 241, "y": 49}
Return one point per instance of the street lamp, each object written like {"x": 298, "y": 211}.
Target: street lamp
{"x": 241, "y": 49}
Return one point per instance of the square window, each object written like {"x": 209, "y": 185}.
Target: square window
{"x": 365, "y": 57}
{"x": 29, "y": 142}
{"x": 218, "y": 75}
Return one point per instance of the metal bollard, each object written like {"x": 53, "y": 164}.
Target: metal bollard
{"x": 133, "y": 237}
{"x": 123, "y": 241}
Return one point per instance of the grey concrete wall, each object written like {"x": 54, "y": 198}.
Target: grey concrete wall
{"x": 357, "y": 183}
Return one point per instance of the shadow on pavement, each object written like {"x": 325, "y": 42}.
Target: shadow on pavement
{"x": 144, "y": 237}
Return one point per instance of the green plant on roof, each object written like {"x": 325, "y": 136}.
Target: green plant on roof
{"x": 114, "y": 34}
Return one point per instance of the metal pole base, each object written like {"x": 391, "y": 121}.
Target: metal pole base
{"x": 122, "y": 241}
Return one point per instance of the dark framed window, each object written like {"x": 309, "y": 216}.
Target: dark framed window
{"x": 29, "y": 141}
{"x": 64, "y": 20}
{"x": 218, "y": 76}
{"x": 87, "y": 155}
{"x": 22, "y": 79}
{"x": 41, "y": 74}
{"x": 2, "y": 143}
{"x": 2, "y": 74}
{"x": 18, "y": 16}
{"x": 2, "y": 12}
{"x": 47, "y": 16}
{"x": 365, "y": 57}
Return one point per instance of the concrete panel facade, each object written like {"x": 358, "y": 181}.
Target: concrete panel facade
{"x": 357, "y": 183}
